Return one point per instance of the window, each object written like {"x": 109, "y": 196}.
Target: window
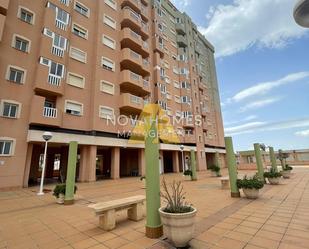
{"x": 62, "y": 17}
{"x": 16, "y": 75}
{"x": 25, "y": 15}
{"x": 75, "y": 80}
{"x": 109, "y": 42}
{"x": 177, "y": 99}
{"x": 56, "y": 71}
{"x": 21, "y": 44}
{"x": 111, "y": 3}
{"x": 9, "y": 109}
{"x": 6, "y": 147}
{"x": 79, "y": 31}
{"x": 108, "y": 64}
{"x": 186, "y": 99}
{"x": 109, "y": 21}
{"x": 73, "y": 108}
{"x": 107, "y": 87}
{"x": 106, "y": 112}
{"x": 59, "y": 42}
{"x": 82, "y": 9}
{"x": 78, "y": 55}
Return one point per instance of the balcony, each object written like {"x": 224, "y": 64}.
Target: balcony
{"x": 133, "y": 4}
{"x": 134, "y": 83}
{"x": 145, "y": 13}
{"x": 134, "y": 62}
{"x": 180, "y": 28}
{"x": 144, "y": 30}
{"x": 190, "y": 139}
{"x": 145, "y": 2}
{"x": 130, "y": 103}
{"x": 48, "y": 83}
{"x": 130, "y": 19}
{"x": 42, "y": 115}
{"x": 182, "y": 41}
{"x": 198, "y": 50}
{"x": 130, "y": 39}
{"x": 203, "y": 111}
{"x": 4, "y": 5}
{"x": 158, "y": 47}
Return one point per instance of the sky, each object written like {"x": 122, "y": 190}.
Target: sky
{"x": 262, "y": 59}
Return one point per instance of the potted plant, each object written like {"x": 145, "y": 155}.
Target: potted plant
{"x": 59, "y": 192}
{"x": 187, "y": 175}
{"x": 250, "y": 186}
{"x": 143, "y": 181}
{"x": 273, "y": 176}
{"x": 286, "y": 171}
{"x": 215, "y": 171}
{"x": 177, "y": 216}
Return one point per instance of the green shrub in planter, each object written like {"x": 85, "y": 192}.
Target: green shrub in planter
{"x": 250, "y": 183}
{"x": 187, "y": 173}
{"x": 216, "y": 169}
{"x": 272, "y": 174}
{"x": 60, "y": 189}
{"x": 288, "y": 167}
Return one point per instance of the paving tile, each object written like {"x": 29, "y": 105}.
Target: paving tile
{"x": 264, "y": 243}
{"x": 244, "y": 237}
{"x": 85, "y": 243}
{"x": 116, "y": 242}
{"x": 230, "y": 243}
{"x": 247, "y": 230}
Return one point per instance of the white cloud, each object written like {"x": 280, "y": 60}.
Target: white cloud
{"x": 259, "y": 103}
{"x": 244, "y": 23}
{"x": 181, "y": 4}
{"x": 265, "y": 87}
{"x": 266, "y": 126}
{"x": 304, "y": 133}
{"x": 246, "y": 119}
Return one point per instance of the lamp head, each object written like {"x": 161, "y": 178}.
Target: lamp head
{"x": 182, "y": 147}
{"x": 47, "y": 136}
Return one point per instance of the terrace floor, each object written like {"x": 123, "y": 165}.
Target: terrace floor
{"x": 278, "y": 219}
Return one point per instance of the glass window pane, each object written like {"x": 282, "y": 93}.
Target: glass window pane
{"x": 7, "y": 148}
{"x": 1, "y": 147}
{"x": 6, "y": 109}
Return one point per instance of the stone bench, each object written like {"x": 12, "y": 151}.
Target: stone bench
{"x": 225, "y": 182}
{"x": 107, "y": 210}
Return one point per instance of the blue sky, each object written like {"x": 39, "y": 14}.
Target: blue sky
{"x": 262, "y": 60}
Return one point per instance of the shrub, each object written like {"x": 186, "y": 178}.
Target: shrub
{"x": 288, "y": 167}
{"x": 250, "y": 183}
{"x": 272, "y": 174}
{"x": 188, "y": 172}
{"x": 143, "y": 178}
{"x": 215, "y": 168}
{"x": 60, "y": 189}
{"x": 174, "y": 197}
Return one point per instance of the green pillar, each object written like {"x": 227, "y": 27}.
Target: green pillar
{"x": 232, "y": 168}
{"x": 259, "y": 162}
{"x": 273, "y": 159}
{"x": 71, "y": 172}
{"x": 154, "y": 227}
{"x": 193, "y": 166}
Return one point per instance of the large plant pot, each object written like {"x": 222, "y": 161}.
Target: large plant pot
{"x": 60, "y": 199}
{"x": 274, "y": 181}
{"x": 187, "y": 177}
{"x": 286, "y": 174}
{"x": 178, "y": 228}
{"x": 143, "y": 183}
{"x": 251, "y": 193}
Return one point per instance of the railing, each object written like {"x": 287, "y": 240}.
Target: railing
{"x": 144, "y": 26}
{"x": 135, "y": 35}
{"x": 54, "y": 80}
{"x": 146, "y": 83}
{"x": 50, "y": 112}
{"x": 135, "y": 99}
{"x": 134, "y": 76}
{"x": 134, "y": 54}
{"x": 145, "y": 62}
{"x": 145, "y": 45}
{"x": 65, "y": 2}
{"x": 57, "y": 51}
{"x": 61, "y": 25}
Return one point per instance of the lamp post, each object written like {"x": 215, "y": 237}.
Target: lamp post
{"x": 46, "y": 136}
{"x": 182, "y": 147}
{"x": 301, "y": 13}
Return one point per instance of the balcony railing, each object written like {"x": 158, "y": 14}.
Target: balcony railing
{"x": 146, "y": 83}
{"x": 57, "y": 51}
{"x": 61, "y": 25}
{"x": 54, "y": 80}
{"x": 65, "y": 2}
{"x": 50, "y": 112}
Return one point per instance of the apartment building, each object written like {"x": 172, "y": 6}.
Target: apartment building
{"x": 70, "y": 67}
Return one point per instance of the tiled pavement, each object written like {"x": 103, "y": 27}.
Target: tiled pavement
{"x": 278, "y": 219}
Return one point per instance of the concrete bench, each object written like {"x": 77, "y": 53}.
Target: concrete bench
{"x": 107, "y": 210}
{"x": 225, "y": 182}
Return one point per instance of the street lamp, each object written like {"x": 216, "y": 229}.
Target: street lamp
{"x": 301, "y": 13}
{"x": 46, "y": 136}
{"x": 182, "y": 147}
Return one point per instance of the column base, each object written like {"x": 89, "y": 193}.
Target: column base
{"x": 235, "y": 195}
{"x": 154, "y": 232}
{"x": 68, "y": 202}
